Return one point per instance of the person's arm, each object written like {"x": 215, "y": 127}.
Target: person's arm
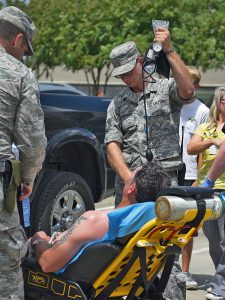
{"x": 116, "y": 161}
{"x": 180, "y": 72}
{"x": 218, "y": 166}
{"x": 197, "y": 145}
{"x": 199, "y": 161}
{"x": 26, "y": 190}
{"x": 114, "y": 140}
{"x": 91, "y": 226}
{"x": 29, "y": 132}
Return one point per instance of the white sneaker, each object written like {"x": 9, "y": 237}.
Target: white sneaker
{"x": 213, "y": 296}
{"x": 191, "y": 284}
{"x": 209, "y": 289}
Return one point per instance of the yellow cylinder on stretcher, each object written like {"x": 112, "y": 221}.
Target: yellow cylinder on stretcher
{"x": 175, "y": 208}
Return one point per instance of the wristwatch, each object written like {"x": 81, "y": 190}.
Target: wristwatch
{"x": 171, "y": 50}
{"x": 38, "y": 241}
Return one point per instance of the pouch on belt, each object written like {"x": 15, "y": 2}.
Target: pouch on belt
{"x": 12, "y": 182}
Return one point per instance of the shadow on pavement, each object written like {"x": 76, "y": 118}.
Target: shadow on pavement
{"x": 203, "y": 280}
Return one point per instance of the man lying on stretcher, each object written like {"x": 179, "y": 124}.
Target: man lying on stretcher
{"x": 99, "y": 226}
{"x": 136, "y": 209}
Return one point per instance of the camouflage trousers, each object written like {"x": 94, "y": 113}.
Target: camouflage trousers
{"x": 13, "y": 247}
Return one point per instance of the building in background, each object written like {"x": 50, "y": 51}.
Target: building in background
{"x": 209, "y": 81}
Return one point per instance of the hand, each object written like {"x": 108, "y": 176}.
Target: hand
{"x": 162, "y": 36}
{"x": 218, "y": 143}
{"x": 207, "y": 183}
{"x": 26, "y": 191}
{"x": 40, "y": 235}
{"x": 128, "y": 180}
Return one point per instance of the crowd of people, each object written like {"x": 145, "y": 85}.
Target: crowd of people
{"x": 153, "y": 118}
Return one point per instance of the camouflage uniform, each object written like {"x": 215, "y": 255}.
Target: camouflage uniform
{"x": 126, "y": 124}
{"x": 21, "y": 122}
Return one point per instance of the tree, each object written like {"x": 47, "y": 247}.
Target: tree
{"x": 48, "y": 17}
{"x": 93, "y": 27}
{"x": 198, "y": 31}
{"x": 79, "y": 34}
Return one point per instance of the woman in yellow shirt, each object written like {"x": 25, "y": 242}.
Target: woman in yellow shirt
{"x": 208, "y": 137}
{"x": 206, "y": 141}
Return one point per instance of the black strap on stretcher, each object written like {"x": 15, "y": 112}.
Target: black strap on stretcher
{"x": 106, "y": 292}
{"x": 201, "y": 206}
{"x": 140, "y": 253}
{"x": 151, "y": 290}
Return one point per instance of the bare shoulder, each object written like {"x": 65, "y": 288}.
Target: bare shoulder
{"x": 90, "y": 226}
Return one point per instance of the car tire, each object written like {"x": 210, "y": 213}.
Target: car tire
{"x": 63, "y": 198}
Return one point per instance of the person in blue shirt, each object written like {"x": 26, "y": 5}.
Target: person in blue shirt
{"x": 136, "y": 208}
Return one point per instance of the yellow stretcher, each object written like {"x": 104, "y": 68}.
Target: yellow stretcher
{"x": 137, "y": 264}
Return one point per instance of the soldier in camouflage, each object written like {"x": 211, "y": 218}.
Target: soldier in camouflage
{"x": 125, "y": 125}
{"x": 22, "y": 123}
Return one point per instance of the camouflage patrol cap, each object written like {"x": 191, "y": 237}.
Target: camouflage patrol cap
{"x": 123, "y": 58}
{"x": 20, "y": 19}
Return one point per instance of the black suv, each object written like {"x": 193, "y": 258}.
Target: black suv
{"x": 75, "y": 173}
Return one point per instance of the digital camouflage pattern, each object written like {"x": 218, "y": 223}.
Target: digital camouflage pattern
{"x": 13, "y": 247}
{"x": 21, "y": 116}
{"x": 22, "y": 123}
{"x": 123, "y": 58}
{"x": 22, "y": 21}
{"x": 126, "y": 124}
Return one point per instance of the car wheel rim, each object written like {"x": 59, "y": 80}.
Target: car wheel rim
{"x": 67, "y": 209}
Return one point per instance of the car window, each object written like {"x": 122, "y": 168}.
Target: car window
{"x": 56, "y": 88}
{"x": 60, "y": 92}
{"x": 205, "y": 94}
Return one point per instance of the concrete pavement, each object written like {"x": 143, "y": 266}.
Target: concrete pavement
{"x": 201, "y": 267}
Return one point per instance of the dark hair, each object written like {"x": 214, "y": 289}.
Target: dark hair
{"x": 150, "y": 179}
{"x": 8, "y": 31}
